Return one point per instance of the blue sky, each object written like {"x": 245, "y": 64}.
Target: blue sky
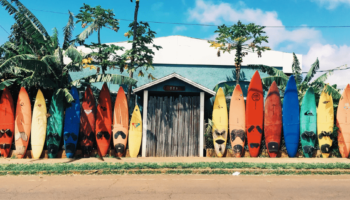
{"x": 330, "y": 45}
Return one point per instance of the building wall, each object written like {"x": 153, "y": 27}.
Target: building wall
{"x": 208, "y": 76}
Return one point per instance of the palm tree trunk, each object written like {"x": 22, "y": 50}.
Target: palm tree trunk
{"x": 131, "y": 74}
{"x": 99, "y": 49}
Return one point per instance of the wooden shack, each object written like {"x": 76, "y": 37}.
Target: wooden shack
{"x": 173, "y": 117}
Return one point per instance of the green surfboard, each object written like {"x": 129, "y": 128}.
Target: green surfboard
{"x": 308, "y": 123}
{"x": 55, "y": 125}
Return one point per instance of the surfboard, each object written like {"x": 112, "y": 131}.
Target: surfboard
{"x": 135, "y": 133}
{"x": 220, "y": 123}
{"x": 308, "y": 123}
{"x": 23, "y": 121}
{"x": 325, "y": 123}
{"x": 291, "y": 117}
{"x": 72, "y": 124}
{"x": 39, "y": 122}
{"x": 237, "y": 121}
{"x": 343, "y": 123}
{"x": 55, "y": 124}
{"x": 87, "y": 122}
{"x": 7, "y": 122}
{"x": 104, "y": 120}
{"x": 273, "y": 120}
{"x": 120, "y": 123}
{"x": 255, "y": 114}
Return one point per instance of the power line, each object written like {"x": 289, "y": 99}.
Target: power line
{"x": 4, "y": 30}
{"x": 213, "y": 25}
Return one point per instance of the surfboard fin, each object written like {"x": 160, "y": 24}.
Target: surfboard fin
{"x": 273, "y": 147}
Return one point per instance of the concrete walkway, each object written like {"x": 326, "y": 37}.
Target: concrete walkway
{"x": 177, "y": 159}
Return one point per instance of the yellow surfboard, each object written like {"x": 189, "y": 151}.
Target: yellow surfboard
{"x": 135, "y": 133}
{"x": 220, "y": 123}
{"x": 325, "y": 123}
{"x": 39, "y": 122}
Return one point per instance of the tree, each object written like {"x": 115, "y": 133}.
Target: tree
{"x": 318, "y": 84}
{"x": 96, "y": 18}
{"x": 241, "y": 38}
{"x": 34, "y": 59}
{"x": 140, "y": 56}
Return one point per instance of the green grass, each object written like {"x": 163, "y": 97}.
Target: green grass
{"x": 60, "y": 168}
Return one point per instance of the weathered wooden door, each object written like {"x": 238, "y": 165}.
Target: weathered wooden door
{"x": 173, "y": 127}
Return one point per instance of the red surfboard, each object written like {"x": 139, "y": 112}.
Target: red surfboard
{"x": 255, "y": 114}
{"x": 273, "y": 120}
{"x": 23, "y": 122}
{"x": 104, "y": 120}
{"x": 87, "y": 122}
{"x": 7, "y": 122}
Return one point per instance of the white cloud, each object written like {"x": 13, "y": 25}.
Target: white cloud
{"x": 207, "y": 12}
{"x": 330, "y": 56}
{"x": 331, "y": 4}
{"x": 179, "y": 29}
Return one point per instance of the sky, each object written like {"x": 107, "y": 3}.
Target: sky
{"x": 330, "y": 45}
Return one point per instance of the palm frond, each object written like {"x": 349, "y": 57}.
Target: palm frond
{"x": 59, "y": 54}
{"x": 335, "y": 93}
{"x": 324, "y": 76}
{"x": 269, "y": 70}
{"x": 280, "y": 81}
{"x": 72, "y": 67}
{"x": 39, "y": 68}
{"x": 312, "y": 71}
{"x": 65, "y": 92}
{"x": 74, "y": 54}
{"x": 15, "y": 62}
{"x": 7, "y": 83}
{"x": 87, "y": 32}
{"x": 53, "y": 63}
{"x": 110, "y": 78}
{"x": 9, "y": 7}
{"x": 38, "y": 80}
{"x": 296, "y": 69}
{"x": 54, "y": 38}
{"x": 67, "y": 31}
{"x": 32, "y": 17}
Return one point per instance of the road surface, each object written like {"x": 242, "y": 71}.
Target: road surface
{"x": 183, "y": 187}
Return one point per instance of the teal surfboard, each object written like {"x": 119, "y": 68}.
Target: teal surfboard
{"x": 308, "y": 123}
{"x": 55, "y": 125}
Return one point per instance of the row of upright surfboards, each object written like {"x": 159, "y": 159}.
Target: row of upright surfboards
{"x": 305, "y": 124}
{"x": 85, "y": 122}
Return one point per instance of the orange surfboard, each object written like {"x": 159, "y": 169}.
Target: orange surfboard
{"x": 343, "y": 123}
{"x": 104, "y": 120}
{"x": 87, "y": 122}
{"x": 120, "y": 123}
{"x": 273, "y": 120}
{"x": 255, "y": 114}
{"x": 23, "y": 121}
{"x": 237, "y": 121}
{"x": 7, "y": 122}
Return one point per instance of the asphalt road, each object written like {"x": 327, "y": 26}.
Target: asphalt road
{"x": 194, "y": 187}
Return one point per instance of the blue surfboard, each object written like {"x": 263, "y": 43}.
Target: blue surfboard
{"x": 291, "y": 117}
{"x": 71, "y": 124}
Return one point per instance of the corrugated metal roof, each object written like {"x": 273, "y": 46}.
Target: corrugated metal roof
{"x": 182, "y": 50}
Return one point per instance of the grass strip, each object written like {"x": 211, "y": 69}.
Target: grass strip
{"x": 60, "y": 167}
{"x": 183, "y": 172}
